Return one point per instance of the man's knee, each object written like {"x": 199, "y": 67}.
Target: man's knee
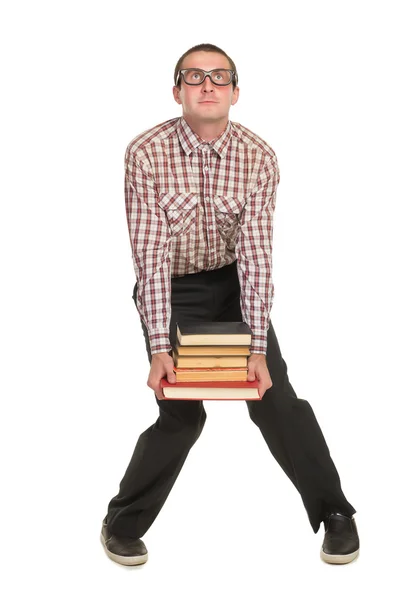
{"x": 184, "y": 419}
{"x": 274, "y": 404}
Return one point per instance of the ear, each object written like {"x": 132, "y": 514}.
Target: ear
{"x": 176, "y": 92}
{"x": 235, "y": 96}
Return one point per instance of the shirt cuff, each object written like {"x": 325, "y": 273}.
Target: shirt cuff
{"x": 258, "y": 344}
{"x": 159, "y": 342}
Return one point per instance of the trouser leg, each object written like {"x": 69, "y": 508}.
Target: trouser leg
{"x": 156, "y": 462}
{"x": 290, "y": 428}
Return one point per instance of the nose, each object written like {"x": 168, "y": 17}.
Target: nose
{"x": 207, "y": 83}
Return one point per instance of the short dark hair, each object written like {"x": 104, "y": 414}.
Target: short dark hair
{"x": 205, "y": 48}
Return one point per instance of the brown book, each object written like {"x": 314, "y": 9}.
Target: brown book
{"x": 210, "y": 333}
{"x": 196, "y": 362}
{"x": 211, "y": 350}
{"x": 210, "y": 390}
{"x": 237, "y": 374}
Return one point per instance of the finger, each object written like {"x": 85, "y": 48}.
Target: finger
{"x": 262, "y": 391}
{"x": 158, "y": 393}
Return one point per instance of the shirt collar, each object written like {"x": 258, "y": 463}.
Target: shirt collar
{"x": 190, "y": 140}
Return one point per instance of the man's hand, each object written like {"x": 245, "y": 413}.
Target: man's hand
{"x": 161, "y": 366}
{"x": 257, "y": 365}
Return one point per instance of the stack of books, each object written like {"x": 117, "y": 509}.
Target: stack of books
{"x": 210, "y": 362}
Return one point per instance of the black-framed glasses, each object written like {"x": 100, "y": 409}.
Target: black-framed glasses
{"x": 197, "y": 76}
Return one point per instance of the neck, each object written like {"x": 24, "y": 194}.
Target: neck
{"x": 207, "y": 131}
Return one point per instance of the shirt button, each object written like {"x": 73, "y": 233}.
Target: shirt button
{"x": 206, "y": 168}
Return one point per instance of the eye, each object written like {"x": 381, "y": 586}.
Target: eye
{"x": 194, "y": 75}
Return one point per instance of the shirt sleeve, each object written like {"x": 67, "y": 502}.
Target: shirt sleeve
{"x": 150, "y": 242}
{"x": 254, "y": 254}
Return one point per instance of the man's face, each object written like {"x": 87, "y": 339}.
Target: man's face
{"x": 206, "y": 102}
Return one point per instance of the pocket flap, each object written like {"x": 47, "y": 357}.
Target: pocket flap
{"x": 182, "y": 201}
{"x": 229, "y": 204}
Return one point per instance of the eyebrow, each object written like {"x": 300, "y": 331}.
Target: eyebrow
{"x": 215, "y": 69}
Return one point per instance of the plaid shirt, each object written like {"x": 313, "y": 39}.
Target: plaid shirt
{"x": 193, "y": 205}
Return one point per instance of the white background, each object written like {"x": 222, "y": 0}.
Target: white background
{"x": 319, "y": 83}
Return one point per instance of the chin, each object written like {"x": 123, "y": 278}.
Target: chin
{"x": 210, "y": 114}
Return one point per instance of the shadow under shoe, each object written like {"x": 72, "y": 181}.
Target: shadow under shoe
{"x": 123, "y": 550}
{"x": 341, "y": 543}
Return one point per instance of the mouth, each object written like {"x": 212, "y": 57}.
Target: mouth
{"x": 208, "y": 102}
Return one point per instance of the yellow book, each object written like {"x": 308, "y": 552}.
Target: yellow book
{"x": 208, "y": 361}
{"x": 211, "y": 374}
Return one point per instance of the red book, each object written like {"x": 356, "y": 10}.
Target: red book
{"x": 210, "y": 390}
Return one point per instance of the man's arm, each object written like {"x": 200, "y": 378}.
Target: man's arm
{"x": 150, "y": 242}
{"x": 254, "y": 254}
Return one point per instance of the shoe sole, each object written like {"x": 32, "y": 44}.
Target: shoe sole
{"x": 339, "y": 559}
{"x": 127, "y": 561}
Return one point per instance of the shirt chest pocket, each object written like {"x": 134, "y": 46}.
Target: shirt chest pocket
{"x": 180, "y": 210}
{"x": 227, "y": 211}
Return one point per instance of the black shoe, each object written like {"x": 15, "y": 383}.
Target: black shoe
{"x": 341, "y": 543}
{"x": 123, "y": 550}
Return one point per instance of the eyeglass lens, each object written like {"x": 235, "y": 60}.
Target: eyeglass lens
{"x": 196, "y": 76}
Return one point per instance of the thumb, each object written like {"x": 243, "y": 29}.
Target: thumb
{"x": 250, "y": 374}
{"x": 171, "y": 377}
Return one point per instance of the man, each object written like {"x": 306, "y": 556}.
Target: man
{"x": 200, "y": 195}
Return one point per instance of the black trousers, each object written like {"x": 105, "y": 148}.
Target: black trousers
{"x": 287, "y": 423}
